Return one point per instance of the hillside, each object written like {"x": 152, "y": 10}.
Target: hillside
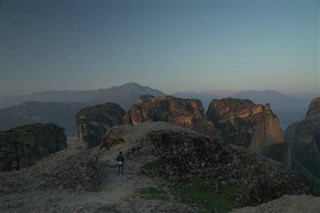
{"x": 155, "y": 179}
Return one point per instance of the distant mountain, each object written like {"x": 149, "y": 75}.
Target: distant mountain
{"x": 31, "y": 112}
{"x": 60, "y": 107}
{"x": 65, "y": 96}
{"x": 124, "y": 95}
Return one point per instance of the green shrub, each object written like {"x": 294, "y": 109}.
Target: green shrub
{"x": 210, "y": 197}
{"x": 152, "y": 193}
{"x": 147, "y": 168}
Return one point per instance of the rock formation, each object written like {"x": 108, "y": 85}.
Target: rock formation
{"x": 179, "y": 153}
{"x": 254, "y": 126}
{"x": 304, "y": 139}
{"x": 184, "y": 112}
{"x": 92, "y": 123}
{"x": 23, "y": 146}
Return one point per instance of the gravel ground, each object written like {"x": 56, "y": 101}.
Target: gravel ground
{"x": 286, "y": 204}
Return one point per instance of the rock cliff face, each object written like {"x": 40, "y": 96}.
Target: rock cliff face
{"x": 23, "y": 146}
{"x": 250, "y": 125}
{"x": 184, "y": 112}
{"x": 92, "y": 123}
{"x": 304, "y": 140}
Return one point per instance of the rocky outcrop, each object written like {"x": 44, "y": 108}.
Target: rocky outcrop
{"x": 254, "y": 126}
{"x": 313, "y": 112}
{"x": 178, "y": 154}
{"x": 304, "y": 140}
{"x": 23, "y": 146}
{"x": 92, "y": 123}
{"x": 184, "y": 112}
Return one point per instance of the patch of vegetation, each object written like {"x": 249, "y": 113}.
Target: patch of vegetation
{"x": 147, "y": 168}
{"x": 246, "y": 160}
{"x": 152, "y": 193}
{"x": 209, "y": 197}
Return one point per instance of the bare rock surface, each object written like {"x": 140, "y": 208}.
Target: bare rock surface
{"x": 181, "y": 153}
{"x": 286, "y": 204}
{"x": 93, "y": 122}
{"x": 23, "y": 146}
{"x": 58, "y": 183}
{"x": 254, "y": 126}
{"x": 304, "y": 140}
{"x": 184, "y": 112}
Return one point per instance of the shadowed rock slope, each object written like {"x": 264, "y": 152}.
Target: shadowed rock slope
{"x": 179, "y": 154}
{"x": 93, "y": 122}
{"x": 184, "y": 112}
{"x": 304, "y": 140}
{"x": 254, "y": 126}
{"x": 23, "y": 146}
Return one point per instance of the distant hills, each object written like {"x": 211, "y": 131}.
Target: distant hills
{"x": 124, "y": 95}
{"x": 60, "y": 106}
{"x": 32, "y": 112}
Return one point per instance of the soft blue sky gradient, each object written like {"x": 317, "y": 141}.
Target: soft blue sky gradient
{"x": 168, "y": 45}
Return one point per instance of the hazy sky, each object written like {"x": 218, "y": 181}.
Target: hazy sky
{"x": 168, "y": 45}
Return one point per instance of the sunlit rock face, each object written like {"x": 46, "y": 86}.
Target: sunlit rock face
{"x": 304, "y": 140}
{"x": 22, "y": 146}
{"x": 184, "y": 112}
{"x": 255, "y": 126}
{"x": 92, "y": 123}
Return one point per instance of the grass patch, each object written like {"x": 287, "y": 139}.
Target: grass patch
{"x": 208, "y": 196}
{"x": 152, "y": 193}
{"x": 147, "y": 168}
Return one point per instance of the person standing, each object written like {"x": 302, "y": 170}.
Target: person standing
{"x": 120, "y": 160}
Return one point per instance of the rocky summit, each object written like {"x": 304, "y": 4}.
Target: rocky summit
{"x": 178, "y": 154}
{"x": 23, "y": 146}
{"x": 304, "y": 140}
{"x": 254, "y": 126}
{"x": 184, "y": 112}
{"x": 93, "y": 122}
{"x": 167, "y": 168}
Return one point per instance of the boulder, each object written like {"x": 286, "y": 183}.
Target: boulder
{"x": 23, "y": 146}
{"x": 184, "y": 112}
{"x": 254, "y": 126}
{"x": 304, "y": 140}
{"x": 93, "y": 122}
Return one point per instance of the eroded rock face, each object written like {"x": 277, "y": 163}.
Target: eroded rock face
{"x": 304, "y": 140}
{"x": 184, "y": 112}
{"x": 313, "y": 112}
{"x": 254, "y": 126}
{"x": 92, "y": 123}
{"x": 23, "y": 146}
